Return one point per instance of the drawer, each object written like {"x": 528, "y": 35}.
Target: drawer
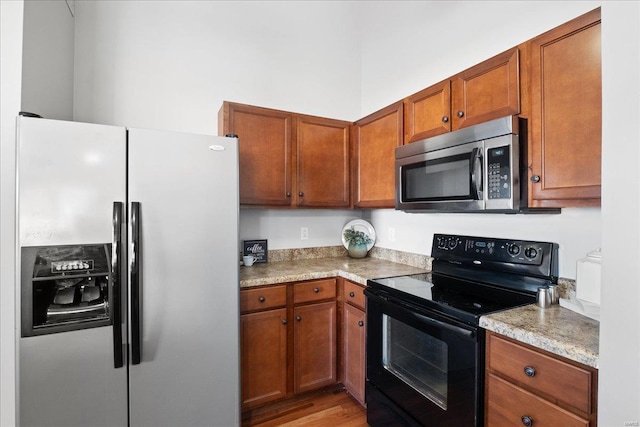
{"x": 508, "y": 405}
{"x": 263, "y": 298}
{"x": 314, "y": 291}
{"x": 559, "y": 380}
{"x": 353, "y": 293}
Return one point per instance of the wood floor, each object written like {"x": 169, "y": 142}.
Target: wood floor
{"x": 332, "y": 407}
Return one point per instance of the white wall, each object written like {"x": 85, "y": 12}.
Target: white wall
{"x": 47, "y": 66}
{"x": 11, "y": 15}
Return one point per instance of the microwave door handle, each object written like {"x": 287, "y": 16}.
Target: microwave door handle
{"x": 475, "y": 166}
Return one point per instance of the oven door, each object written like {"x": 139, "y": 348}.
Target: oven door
{"x": 446, "y": 179}
{"x": 428, "y": 366}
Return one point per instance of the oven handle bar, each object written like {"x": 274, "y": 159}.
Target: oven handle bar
{"x": 415, "y": 312}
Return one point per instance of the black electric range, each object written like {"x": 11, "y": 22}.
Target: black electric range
{"x": 475, "y": 276}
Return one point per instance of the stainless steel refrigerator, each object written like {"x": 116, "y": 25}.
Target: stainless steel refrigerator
{"x": 129, "y": 307}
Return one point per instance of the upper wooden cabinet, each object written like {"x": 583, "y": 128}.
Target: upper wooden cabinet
{"x": 289, "y": 159}
{"x": 566, "y": 115}
{"x": 374, "y": 140}
{"x": 484, "y": 92}
{"x": 322, "y": 162}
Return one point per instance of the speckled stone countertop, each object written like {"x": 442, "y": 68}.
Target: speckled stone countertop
{"x": 356, "y": 270}
{"x": 555, "y": 329}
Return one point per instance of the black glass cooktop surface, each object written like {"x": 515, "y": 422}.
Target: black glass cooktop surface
{"x": 454, "y": 297}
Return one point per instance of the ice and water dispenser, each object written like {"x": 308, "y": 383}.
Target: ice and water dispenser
{"x": 65, "y": 288}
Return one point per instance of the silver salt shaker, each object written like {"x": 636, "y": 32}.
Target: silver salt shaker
{"x": 543, "y": 297}
{"x": 555, "y": 294}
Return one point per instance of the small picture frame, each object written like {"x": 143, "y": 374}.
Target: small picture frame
{"x": 257, "y": 248}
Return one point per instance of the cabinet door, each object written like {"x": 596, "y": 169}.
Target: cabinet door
{"x": 314, "y": 346}
{"x": 427, "y": 113}
{"x": 487, "y": 91}
{"x": 322, "y": 148}
{"x": 264, "y": 356}
{"x": 354, "y": 351}
{"x": 566, "y": 115}
{"x": 264, "y": 138}
{"x": 375, "y": 140}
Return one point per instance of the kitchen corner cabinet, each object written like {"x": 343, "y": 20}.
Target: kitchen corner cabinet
{"x": 288, "y": 159}
{"x": 374, "y": 141}
{"x": 287, "y": 339}
{"x": 481, "y": 93}
{"x": 354, "y": 340}
{"x": 531, "y": 387}
{"x": 263, "y": 337}
{"x": 566, "y": 115}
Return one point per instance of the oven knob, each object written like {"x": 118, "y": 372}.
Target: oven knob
{"x": 513, "y": 250}
{"x": 453, "y": 243}
{"x": 531, "y": 252}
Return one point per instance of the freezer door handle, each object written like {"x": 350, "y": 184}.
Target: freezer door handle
{"x": 136, "y": 306}
{"x": 116, "y": 286}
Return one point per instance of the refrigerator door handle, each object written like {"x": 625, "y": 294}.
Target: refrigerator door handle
{"x": 116, "y": 286}
{"x": 136, "y": 306}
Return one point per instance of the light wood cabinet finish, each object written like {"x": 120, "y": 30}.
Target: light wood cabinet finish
{"x": 289, "y": 159}
{"x": 566, "y": 115}
{"x": 487, "y": 91}
{"x": 428, "y": 112}
{"x": 522, "y": 381}
{"x": 322, "y": 162}
{"x": 263, "y": 298}
{"x": 314, "y": 355}
{"x": 265, "y": 150}
{"x": 374, "y": 140}
{"x": 263, "y": 340}
{"x": 354, "y": 348}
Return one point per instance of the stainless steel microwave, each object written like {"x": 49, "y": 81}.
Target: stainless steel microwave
{"x": 474, "y": 169}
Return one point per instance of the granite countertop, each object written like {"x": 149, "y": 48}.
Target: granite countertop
{"x": 356, "y": 270}
{"x": 555, "y": 329}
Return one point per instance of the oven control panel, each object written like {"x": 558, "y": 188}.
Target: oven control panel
{"x": 492, "y": 252}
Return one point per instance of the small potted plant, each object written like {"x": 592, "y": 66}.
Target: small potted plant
{"x": 357, "y": 242}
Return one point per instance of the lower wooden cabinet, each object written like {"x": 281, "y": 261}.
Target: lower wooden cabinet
{"x": 354, "y": 339}
{"x": 531, "y": 387}
{"x": 264, "y": 356}
{"x": 288, "y": 340}
{"x": 314, "y": 343}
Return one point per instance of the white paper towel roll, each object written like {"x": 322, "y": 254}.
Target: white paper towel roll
{"x": 588, "y": 278}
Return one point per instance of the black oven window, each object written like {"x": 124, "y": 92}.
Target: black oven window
{"x": 417, "y": 358}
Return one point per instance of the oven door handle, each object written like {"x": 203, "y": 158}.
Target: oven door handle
{"x": 415, "y": 313}
{"x": 442, "y": 325}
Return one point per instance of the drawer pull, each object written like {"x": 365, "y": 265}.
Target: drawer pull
{"x": 529, "y": 371}
{"x": 298, "y": 318}
{"x": 316, "y": 290}
{"x": 527, "y": 421}
{"x": 360, "y": 323}
{"x": 284, "y": 321}
{"x": 262, "y": 299}
{"x": 352, "y": 294}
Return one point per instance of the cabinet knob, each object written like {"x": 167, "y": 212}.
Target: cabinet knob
{"x": 288, "y": 194}
{"x": 360, "y": 323}
{"x": 445, "y": 119}
{"x": 298, "y": 318}
{"x": 535, "y": 178}
{"x": 262, "y": 299}
{"x": 352, "y": 294}
{"x": 316, "y": 290}
{"x": 301, "y": 194}
{"x": 461, "y": 114}
{"x": 527, "y": 421}
{"x": 529, "y": 371}
{"x": 284, "y": 321}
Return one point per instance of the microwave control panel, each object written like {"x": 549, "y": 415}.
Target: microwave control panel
{"x": 499, "y": 172}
